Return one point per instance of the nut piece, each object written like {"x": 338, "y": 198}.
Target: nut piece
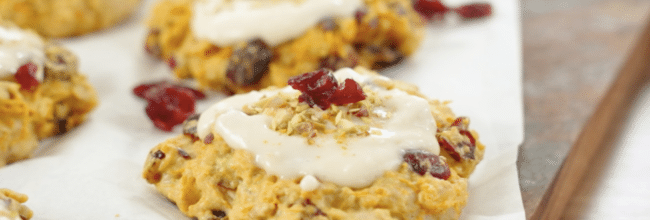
{"x": 247, "y": 65}
{"x": 60, "y": 64}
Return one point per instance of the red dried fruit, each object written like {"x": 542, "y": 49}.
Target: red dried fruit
{"x": 142, "y": 89}
{"x": 158, "y": 155}
{"x": 171, "y": 62}
{"x": 459, "y": 151}
{"x": 317, "y": 87}
{"x": 422, "y": 162}
{"x": 429, "y": 8}
{"x": 247, "y": 65}
{"x": 184, "y": 154}
{"x": 189, "y": 126}
{"x": 209, "y": 138}
{"x": 169, "y": 107}
{"x": 348, "y": 92}
{"x": 25, "y": 76}
{"x": 476, "y": 10}
{"x": 168, "y": 104}
{"x": 321, "y": 88}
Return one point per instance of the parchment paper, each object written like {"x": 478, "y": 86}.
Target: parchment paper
{"x": 94, "y": 171}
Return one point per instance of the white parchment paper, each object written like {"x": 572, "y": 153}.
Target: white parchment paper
{"x": 94, "y": 171}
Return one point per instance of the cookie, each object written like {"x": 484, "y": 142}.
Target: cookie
{"x": 42, "y": 94}
{"x": 11, "y": 206}
{"x": 64, "y": 18}
{"x": 238, "y": 46}
{"x": 320, "y": 153}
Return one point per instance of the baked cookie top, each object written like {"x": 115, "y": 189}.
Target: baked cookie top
{"x": 337, "y": 145}
{"x": 41, "y": 92}
{"x": 64, "y": 18}
{"x": 243, "y": 45}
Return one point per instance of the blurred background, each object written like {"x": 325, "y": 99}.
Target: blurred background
{"x": 572, "y": 52}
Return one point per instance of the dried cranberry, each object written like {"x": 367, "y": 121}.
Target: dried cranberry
{"x": 321, "y": 88}
{"x": 209, "y": 138}
{"x": 25, "y": 76}
{"x": 429, "y": 8}
{"x": 158, "y": 155}
{"x": 168, "y": 107}
{"x": 348, "y": 92}
{"x": 142, "y": 89}
{"x": 171, "y": 62}
{"x": 184, "y": 154}
{"x": 458, "y": 151}
{"x": 318, "y": 87}
{"x": 476, "y": 10}
{"x": 422, "y": 162}
{"x": 335, "y": 62}
{"x": 189, "y": 126}
{"x": 247, "y": 65}
{"x": 360, "y": 13}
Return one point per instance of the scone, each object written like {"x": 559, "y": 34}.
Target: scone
{"x": 242, "y": 45}
{"x": 41, "y": 92}
{"x": 351, "y": 145}
{"x": 11, "y": 207}
{"x": 64, "y": 18}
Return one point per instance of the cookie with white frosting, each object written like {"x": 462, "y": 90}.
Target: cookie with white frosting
{"x": 11, "y": 206}
{"x": 242, "y": 45}
{"x": 64, "y": 18}
{"x": 347, "y": 145}
{"x": 41, "y": 92}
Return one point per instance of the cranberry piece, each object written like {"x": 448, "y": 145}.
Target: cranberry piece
{"x": 189, "y": 126}
{"x": 169, "y": 107}
{"x": 321, "y": 88}
{"x": 142, "y": 89}
{"x": 348, "y": 92}
{"x": 335, "y": 62}
{"x": 247, "y": 65}
{"x": 158, "y": 155}
{"x": 171, "y": 62}
{"x": 318, "y": 87}
{"x": 422, "y": 162}
{"x": 459, "y": 151}
{"x": 25, "y": 76}
{"x": 476, "y": 10}
{"x": 429, "y": 8}
{"x": 184, "y": 154}
{"x": 360, "y": 13}
{"x": 209, "y": 138}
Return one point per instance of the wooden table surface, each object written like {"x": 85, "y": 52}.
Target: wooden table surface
{"x": 572, "y": 51}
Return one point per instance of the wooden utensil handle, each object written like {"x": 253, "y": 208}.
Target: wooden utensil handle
{"x": 601, "y": 129}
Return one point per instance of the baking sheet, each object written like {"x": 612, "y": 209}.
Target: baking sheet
{"x": 94, "y": 171}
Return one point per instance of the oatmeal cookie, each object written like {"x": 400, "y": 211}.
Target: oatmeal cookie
{"x": 64, "y": 18}
{"x": 226, "y": 174}
{"x": 11, "y": 206}
{"x": 238, "y": 51}
{"x": 42, "y": 94}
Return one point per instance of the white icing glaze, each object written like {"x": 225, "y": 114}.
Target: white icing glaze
{"x": 226, "y": 22}
{"x": 309, "y": 183}
{"x": 18, "y": 47}
{"x": 355, "y": 163}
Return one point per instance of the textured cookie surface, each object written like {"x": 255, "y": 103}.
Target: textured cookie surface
{"x": 64, "y": 18}
{"x": 208, "y": 179}
{"x": 52, "y": 105}
{"x": 380, "y": 34}
{"x": 11, "y": 206}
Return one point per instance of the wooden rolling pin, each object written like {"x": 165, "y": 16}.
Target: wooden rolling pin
{"x": 600, "y": 131}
